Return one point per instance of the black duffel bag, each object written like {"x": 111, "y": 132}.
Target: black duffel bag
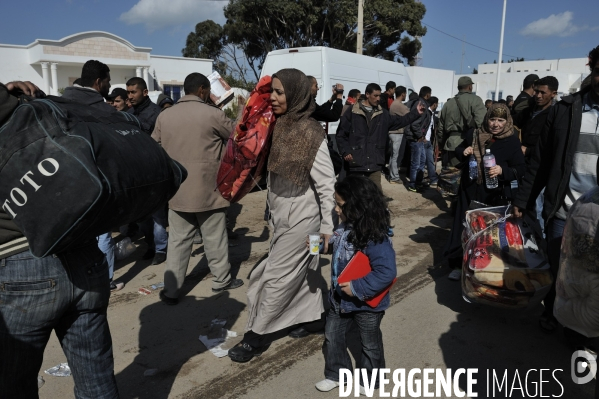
{"x": 69, "y": 172}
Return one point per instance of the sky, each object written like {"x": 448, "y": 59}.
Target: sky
{"x": 534, "y": 29}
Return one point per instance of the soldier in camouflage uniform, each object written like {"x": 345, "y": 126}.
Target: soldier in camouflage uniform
{"x": 453, "y": 125}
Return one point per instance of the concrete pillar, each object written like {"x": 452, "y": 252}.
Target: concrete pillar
{"x": 54, "y": 74}
{"x": 146, "y": 77}
{"x": 46, "y": 77}
{"x": 138, "y": 72}
{"x": 150, "y": 83}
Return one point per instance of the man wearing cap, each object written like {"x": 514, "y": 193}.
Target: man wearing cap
{"x": 524, "y": 99}
{"x": 118, "y": 99}
{"x": 454, "y": 123}
{"x": 164, "y": 101}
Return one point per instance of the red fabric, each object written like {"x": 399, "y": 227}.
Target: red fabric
{"x": 244, "y": 161}
{"x": 389, "y": 102}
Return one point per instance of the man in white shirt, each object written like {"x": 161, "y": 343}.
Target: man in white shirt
{"x": 428, "y": 159}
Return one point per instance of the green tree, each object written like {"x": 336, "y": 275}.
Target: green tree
{"x": 256, "y": 27}
{"x": 209, "y": 41}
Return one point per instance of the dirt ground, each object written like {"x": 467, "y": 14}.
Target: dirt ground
{"x": 158, "y": 354}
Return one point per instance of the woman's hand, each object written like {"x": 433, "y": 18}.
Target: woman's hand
{"x": 495, "y": 171}
{"x": 468, "y": 151}
{"x": 326, "y": 238}
{"x": 346, "y": 288}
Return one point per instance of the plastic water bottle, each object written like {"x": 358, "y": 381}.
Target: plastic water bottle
{"x": 473, "y": 168}
{"x": 489, "y": 162}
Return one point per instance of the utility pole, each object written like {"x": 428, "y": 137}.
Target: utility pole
{"x": 500, "y": 52}
{"x": 360, "y": 26}
{"x": 462, "y": 61}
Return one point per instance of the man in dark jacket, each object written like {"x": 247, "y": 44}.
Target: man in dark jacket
{"x": 415, "y": 136}
{"x": 67, "y": 293}
{"x": 522, "y": 101}
{"x": 389, "y": 95}
{"x": 95, "y": 83}
{"x": 154, "y": 228}
{"x": 141, "y": 105}
{"x": 330, "y": 111}
{"x": 364, "y": 131}
{"x": 531, "y": 122}
{"x": 565, "y": 164}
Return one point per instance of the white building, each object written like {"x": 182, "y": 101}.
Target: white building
{"x": 569, "y": 72}
{"x": 439, "y": 80}
{"x": 55, "y": 64}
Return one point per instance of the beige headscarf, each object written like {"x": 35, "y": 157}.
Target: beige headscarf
{"x": 296, "y": 136}
{"x": 482, "y": 137}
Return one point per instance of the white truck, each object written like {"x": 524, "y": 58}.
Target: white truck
{"x": 330, "y": 66}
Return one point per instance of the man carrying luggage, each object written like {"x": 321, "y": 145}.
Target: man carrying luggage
{"x": 92, "y": 90}
{"x": 154, "y": 228}
{"x": 67, "y": 292}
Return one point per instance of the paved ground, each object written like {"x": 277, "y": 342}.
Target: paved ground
{"x": 428, "y": 325}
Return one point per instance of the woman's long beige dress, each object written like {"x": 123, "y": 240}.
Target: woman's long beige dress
{"x": 286, "y": 288}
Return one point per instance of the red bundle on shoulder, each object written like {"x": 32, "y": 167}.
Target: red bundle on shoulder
{"x": 244, "y": 160}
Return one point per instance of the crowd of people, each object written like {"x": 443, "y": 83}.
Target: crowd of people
{"x": 546, "y": 157}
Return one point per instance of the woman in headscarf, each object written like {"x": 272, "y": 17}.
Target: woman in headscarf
{"x": 496, "y": 134}
{"x": 285, "y": 289}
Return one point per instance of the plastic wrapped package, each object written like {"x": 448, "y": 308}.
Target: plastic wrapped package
{"x": 503, "y": 266}
{"x": 577, "y": 286}
{"x": 244, "y": 160}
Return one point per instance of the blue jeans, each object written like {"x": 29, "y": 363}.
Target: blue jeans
{"x": 416, "y": 164}
{"x": 428, "y": 159}
{"x": 539, "y": 206}
{"x": 393, "y": 166}
{"x": 69, "y": 294}
{"x": 154, "y": 230}
{"x": 335, "y": 345}
{"x": 107, "y": 246}
{"x": 555, "y": 231}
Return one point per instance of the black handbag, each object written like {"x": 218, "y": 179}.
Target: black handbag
{"x": 69, "y": 172}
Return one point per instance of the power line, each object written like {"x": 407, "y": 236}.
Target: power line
{"x": 471, "y": 44}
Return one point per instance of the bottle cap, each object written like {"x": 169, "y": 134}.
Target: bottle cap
{"x": 487, "y": 151}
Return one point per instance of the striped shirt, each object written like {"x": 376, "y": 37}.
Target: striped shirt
{"x": 584, "y": 166}
{"x": 13, "y": 247}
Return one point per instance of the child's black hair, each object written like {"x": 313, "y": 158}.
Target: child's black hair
{"x": 365, "y": 208}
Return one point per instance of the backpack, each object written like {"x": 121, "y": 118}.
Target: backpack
{"x": 70, "y": 172}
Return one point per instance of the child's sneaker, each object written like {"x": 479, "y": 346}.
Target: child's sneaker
{"x": 326, "y": 385}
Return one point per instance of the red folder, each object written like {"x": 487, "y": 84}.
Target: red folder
{"x": 358, "y": 267}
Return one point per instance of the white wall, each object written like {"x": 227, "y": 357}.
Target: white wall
{"x": 167, "y": 69}
{"x": 511, "y": 83}
{"x": 439, "y": 80}
{"x": 15, "y": 66}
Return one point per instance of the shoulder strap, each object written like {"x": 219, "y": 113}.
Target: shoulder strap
{"x": 467, "y": 119}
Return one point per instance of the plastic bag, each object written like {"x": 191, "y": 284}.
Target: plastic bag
{"x": 503, "y": 265}
{"x": 60, "y": 370}
{"x": 124, "y": 249}
{"x": 577, "y": 285}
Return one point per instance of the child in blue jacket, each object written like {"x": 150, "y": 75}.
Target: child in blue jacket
{"x": 365, "y": 222}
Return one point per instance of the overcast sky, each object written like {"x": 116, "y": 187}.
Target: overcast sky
{"x": 534, "y": 29}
